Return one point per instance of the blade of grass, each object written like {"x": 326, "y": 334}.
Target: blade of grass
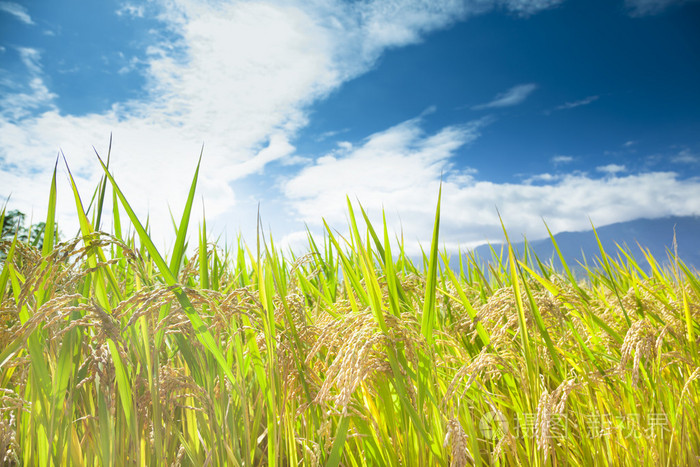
{"x": 49, "y": 230}
{"x": 428, "y": 318}
{"x": 200, "y": 328}
{"x": 102, "y": 188}
{"x": 179, "y": 248}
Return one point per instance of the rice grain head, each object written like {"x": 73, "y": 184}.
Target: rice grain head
{"x": 457, "y": 439}
{"x": 640, "y": 342}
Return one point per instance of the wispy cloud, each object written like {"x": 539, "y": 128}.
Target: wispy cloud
{"x": 129, "y": 9}
{"x": 529, "y": 7}
{"x": 579, "y": 103}
{"x": 513, "y": 96}
{"x": 18, "y": 11}
{"x": 330, "y": 134}
{"x": 561, "y": 160}
{"x": 387, "y": 166}
{"x": 542, "y": 178}
{"x": 639, "y": 8}
{"x": 611, "y": 169}
{"x": 686, "y": 156}
{"x": 27, "y": 97}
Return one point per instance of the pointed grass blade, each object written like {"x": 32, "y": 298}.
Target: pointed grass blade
{"x": 200, "y": 328}
{"x": 203, "y": 258}
{"x": 179, "y": 249}
{"x": 520, "y": 307}
{"x": 102, "y": 188}
{"x": 49, "y": 229}
{"x": 428, "y": 319}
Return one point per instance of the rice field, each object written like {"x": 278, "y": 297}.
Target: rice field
{"x": 114, "y": 353}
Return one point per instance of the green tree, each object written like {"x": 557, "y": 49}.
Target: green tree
{"x": 13, "y": 223}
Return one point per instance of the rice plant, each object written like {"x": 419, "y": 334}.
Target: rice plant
{"x": 115, "y": 353}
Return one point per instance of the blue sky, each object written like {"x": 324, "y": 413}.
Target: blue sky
{"x": 563, "y": 110}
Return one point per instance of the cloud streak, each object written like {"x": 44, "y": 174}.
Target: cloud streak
{"x": 514, "y": 96}
{"x": 23, "y": 100}
{"x": 638, "y": 8}
{"x": 18, "y": 11}
{"x": 579, "y": 103}
{"x": 560, "y": 160}
{"x": 686, "y": 156}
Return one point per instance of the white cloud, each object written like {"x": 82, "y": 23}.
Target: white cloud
{"x": 239, "y": 76}
{"x": 31, "y": 58}
{"x": 541, "y": 178}
{"x": 277, "y": 148}
{"x": 513, "y": 96}
{"x": 528, "y": 7}
{"x": 686, "y": 156}
{"x": 390, "y": 165}
{"x": 18, "y": 11}
{"x": 131, "y": 64}
{"x": 330, "y": 134}
{"x": 579, "y": 103}
{"x": 559, "y": 160}
{"x": 611, "y": 169}
{"x": 400, "y": 169}
{"x": 24, "y": 99}
{"x": 129, "y": 9}
{"x": 651, "y": 7}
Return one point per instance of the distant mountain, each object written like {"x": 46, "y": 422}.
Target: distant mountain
{"x": 656, "y": 235}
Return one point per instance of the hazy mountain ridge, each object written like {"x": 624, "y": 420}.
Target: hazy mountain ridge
{"x": 656, "y": 235}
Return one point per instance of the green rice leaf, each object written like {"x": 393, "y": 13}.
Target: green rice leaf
{"x": 200, "y": 328}
{"x": 180, "y": 246}
{"x": 428, "y": 318}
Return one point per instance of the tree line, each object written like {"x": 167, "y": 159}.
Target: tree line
{"x": 14, "y": 223}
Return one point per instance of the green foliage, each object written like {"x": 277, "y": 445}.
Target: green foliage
{"x": 114, "y": 353}
{"x": 14, "y": 223}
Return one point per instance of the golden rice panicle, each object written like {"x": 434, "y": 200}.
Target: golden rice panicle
{"x": 9, "y": 323}
{"x": 293, "y": 366}
{"x": 356, "y": 353}
{"x": 354, "y": 350}
{"x": 26, "y": 257}
{"x": 8, "y": 441}
{"x": 543, "y": 424}
{"x": 640, "y": 342}
{"x": 488, "y": 365}
{"x": 176, "y": 386}
{"x": 294, "y": 303}
{"x": 180, "y": 456}
{"x": 693, "y": 377}
{"x": 551, "y": 415}
{"x": 10, "y": 404}
{"x": 506, "y": 440}
{"x": 500, "y": 318}
{"x": 145, "y": 302}
{"x": 457, "y": 439}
